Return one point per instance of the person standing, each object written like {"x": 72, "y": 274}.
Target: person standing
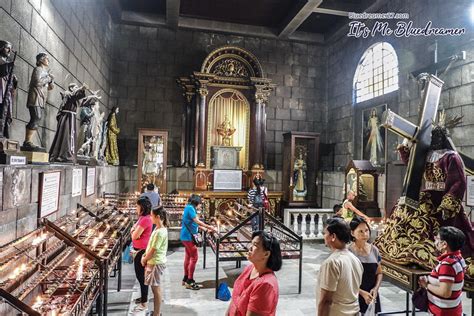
{"x": 41, "y": 79}
{"x": 256, "y": 289}
{"x": 189, "y": 225}
{"x": 141, "y": 233}
{"x": 154, "y": 259}
{"x": 348, "y": 209}
{"x": 370, "y": 258}
{"x": 256, "y": 198}
{"x": 340, "y": 275}
{"x": 445, "y": 283}
{"x": 152, "y": 195}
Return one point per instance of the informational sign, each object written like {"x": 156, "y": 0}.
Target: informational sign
{"x": 90, "y": 186}
{"x": 470, "y": 191}
{"x": 17, "y": 160}
{"x": 76, "y": 181}
{"x": 227, "y": 179}
{"x": 49, "y": 192}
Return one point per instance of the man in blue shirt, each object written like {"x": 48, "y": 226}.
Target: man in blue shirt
{"x": 152, "y": 195}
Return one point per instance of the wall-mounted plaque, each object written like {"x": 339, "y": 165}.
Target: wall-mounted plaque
{"x": 227, "y": 180}
{"x": 470, "y": 191}
{"x": 90, "y": 186}
{"x": 49, "y": 192}
{"x": 76, "y": 181}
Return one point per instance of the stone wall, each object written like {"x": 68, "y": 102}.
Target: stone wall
{"x": 344, "y": 53}
{"x": 19, "y": 193}
{"x": 148, "y": 60}
{"x": 75, "y": 33}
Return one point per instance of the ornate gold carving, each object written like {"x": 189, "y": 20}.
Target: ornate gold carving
{"x": 250, "y": 62}
{"x": 433, "y": 173}
{"x": 400, "y": 277}
{"x": 225, "y": 130}
{"x": 203, "y": 92}
{"x": 449, "y": 206}
{"x": 231, "y": 68}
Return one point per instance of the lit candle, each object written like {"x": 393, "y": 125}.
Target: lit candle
{"x": 38, "y": 303}
{"x": 218, "y": 227}
{"x": 128, "y": 204}
{"x": 80, "y": 270}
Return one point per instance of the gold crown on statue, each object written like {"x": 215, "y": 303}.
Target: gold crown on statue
{"x": 447, "y": 124}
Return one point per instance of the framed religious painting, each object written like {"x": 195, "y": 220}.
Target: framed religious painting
{"x": 152, "y": 158}
{"x": 374, "y": 136}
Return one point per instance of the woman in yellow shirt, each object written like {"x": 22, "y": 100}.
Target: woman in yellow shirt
{"x": 348, "y": 209}
{"x": 154, "y": 259}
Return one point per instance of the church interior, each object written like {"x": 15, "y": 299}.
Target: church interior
{"x": 324, "y": 101}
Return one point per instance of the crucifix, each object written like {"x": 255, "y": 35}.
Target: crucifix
{"x": 419, "y": 135}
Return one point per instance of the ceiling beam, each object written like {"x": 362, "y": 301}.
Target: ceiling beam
{"x": 155, "y": 20}
{"x": 172, "y": 13}
{"x": 331, "y": 12}
{"x": 297, "y": 16}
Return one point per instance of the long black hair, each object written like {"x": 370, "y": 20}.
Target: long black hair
{"x": 112, "y": 112}
{"x": 270, "y": 243}
{"x": 161, "y": 212}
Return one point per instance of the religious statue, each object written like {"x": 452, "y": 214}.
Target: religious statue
{"x": 41, "y": 80}
{"x": 111, "y": 152}
{"x": 299, "y": 175}
{"x": 103, "y": 141}
{"x": 8, "y": 85}
{"x": 85, "y": 117}
{"x": 226, "y": 130}
{"x": 409, "y": 234}
{"x": 152, "y": 160}
{"x": 375, "y": 141}
{"x": 63, "y": 148}
{"x": 96, "y": 130}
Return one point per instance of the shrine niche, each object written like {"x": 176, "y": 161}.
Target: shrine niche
{"x": 224, "y": 120}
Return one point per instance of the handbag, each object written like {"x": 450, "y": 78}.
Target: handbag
{"x": 370, "y": 310}
{"x": 223, "y": 292}
{"x": 420, "y": 299}
{"x": 266, "y": 202}
{"x": 196, "y": 238}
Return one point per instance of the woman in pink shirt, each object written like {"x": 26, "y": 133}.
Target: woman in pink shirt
{"x": 141, "y": 233}
{"x": 256, "y": 289}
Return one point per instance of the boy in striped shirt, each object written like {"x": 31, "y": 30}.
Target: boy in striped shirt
{"x": 446, "y": 281}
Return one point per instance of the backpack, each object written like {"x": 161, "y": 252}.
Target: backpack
{"x": 258, "y": 200}
{"x": 223, "y": 292}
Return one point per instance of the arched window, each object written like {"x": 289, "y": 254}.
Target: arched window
{"x": 377, "y": 72}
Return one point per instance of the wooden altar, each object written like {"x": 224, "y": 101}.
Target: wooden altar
{"x": 230, "y": 85}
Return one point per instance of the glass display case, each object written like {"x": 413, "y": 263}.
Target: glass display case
{"x": 152, "y": 158}
{"x": 361, "y": 177}
{"x": 300, "y": 168}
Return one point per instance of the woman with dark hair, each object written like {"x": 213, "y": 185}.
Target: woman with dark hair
{"x": 141, "y": 233}
{"x": 340, "y": 274}
{"x": 111, "y": 151}
{"x": 189, "y": 226}
{"x": 370, "y": 258}
{"x": 256, "y": 198}
{"x": 256, "y": 289}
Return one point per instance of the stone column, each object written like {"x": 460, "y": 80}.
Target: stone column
{"x": 202, "y": 126}
{"x": 261, "y": 97}
{"x": 186, "y": 159}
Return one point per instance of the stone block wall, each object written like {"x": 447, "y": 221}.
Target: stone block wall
{"x": 147, "y": 61}
{"x": 76, "y": 34}
{"x": 19, "y": 187}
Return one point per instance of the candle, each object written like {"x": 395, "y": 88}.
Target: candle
{"x": 38, "y": 303}
{"x": 80, "y": 270}
{"x": 128, "y": 204}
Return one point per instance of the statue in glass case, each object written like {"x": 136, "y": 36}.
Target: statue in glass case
{"x": 225, "y": 130}
{"x": 299, "y": 175}
{"x": 111, "y": 151}
{"x": 152, "y": 159}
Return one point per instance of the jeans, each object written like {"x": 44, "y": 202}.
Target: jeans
{"x": 190, "y": 259}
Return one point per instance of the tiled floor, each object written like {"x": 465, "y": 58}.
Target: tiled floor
{"x": 179, "y": 301}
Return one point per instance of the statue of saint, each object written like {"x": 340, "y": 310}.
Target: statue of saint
{"x": 85, "y": 116}
{"x": 225, "y": 130}
{"x": 103, "y": 141}
{"x": 150, "y": 157}
{"x": 41, "y": 80}
{"x": 375, "y": 142}
{"x": 97, "y": 121}
{"x": 111, "y": 152}
{"x": 63, "y": 148}
{"x": 299, "y": 175}
{"x": 8, "y": 85}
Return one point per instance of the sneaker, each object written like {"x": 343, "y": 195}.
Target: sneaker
{"x": 191, "y": 285}
{"x": 185, "y": 279}
{"x": 140, "y": 307}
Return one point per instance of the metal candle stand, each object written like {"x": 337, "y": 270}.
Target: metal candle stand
{"x": 233, "y": 245}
